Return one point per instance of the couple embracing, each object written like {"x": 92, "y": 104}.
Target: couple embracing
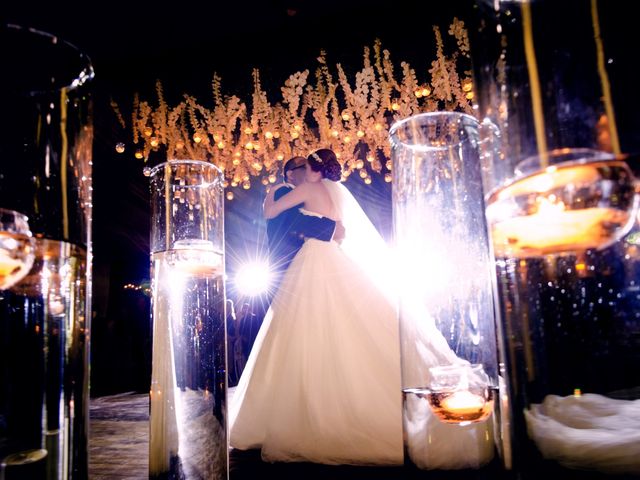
{"x": 322, "y": 382}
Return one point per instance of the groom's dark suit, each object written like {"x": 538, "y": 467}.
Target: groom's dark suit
{"x": 287, "y": 231}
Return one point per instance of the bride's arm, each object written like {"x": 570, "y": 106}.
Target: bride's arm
{"x": 273, "y": 208}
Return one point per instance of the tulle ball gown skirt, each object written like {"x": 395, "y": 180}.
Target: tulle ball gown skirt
{"x": 322, "y": 383}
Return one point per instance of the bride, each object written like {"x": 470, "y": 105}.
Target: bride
{"x": 322, "y": 382}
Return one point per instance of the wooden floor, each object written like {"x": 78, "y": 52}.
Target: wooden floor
{"x": 119, "y": 450}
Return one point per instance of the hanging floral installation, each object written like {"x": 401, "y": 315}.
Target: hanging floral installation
{"x": 352, "y": 116}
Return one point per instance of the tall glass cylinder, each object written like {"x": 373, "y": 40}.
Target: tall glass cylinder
{"x": 45, "y": 174}
{"x": 562, "y": 212}
{"x": 450, "y": 376}
{"x": 188, "y": 421}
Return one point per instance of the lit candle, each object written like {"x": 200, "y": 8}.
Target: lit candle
{"x": 463, "y": 403}
{"x": 548, "y": 232}
{"x": 461, "y": 406}
{"x": 572, "y": 207}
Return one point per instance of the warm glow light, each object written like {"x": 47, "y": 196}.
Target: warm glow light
{"x": 549, "y": 205}
{"x": 555, "y": 229}
{"x": 463, "y": 402}
{"x": 530, "y": 216}
{"x": 120, "y": 147}
{"x": 229, "y": 195}
{"x": 313, "y": 113}
{"x": 139, "y": 154}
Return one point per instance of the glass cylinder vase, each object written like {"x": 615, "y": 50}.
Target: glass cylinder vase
{"x": 45, "y": 173}
{"x": 450, "y": 377}
{"x": 188, "y": 420}
{"x": 562, "y": 212}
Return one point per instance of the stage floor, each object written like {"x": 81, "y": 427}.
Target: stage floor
{"x": 119, "y": 449}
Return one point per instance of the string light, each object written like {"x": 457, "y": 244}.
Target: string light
{"x": 351, "y": 116}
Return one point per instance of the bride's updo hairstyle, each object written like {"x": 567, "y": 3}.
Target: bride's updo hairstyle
{"x": 325, "y": 162}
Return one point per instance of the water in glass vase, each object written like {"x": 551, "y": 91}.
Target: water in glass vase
{"x": 569, "y": 302}
{"x": 44, "y": 366}
{"x": 571, "y": 206}
{"x": 188, "y": 387}
{"x": 430, "y": 433}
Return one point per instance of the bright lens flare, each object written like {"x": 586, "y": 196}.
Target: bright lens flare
{"x": 253, "y": 278}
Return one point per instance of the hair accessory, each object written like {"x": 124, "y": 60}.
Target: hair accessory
{"x": 317, "y": 157}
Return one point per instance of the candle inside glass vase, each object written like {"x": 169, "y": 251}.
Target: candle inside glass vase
{"x": 569, "y": 200}
{"x": 461, "y": 394}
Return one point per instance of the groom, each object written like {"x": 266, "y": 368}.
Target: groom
{"x": 287, "y": 231}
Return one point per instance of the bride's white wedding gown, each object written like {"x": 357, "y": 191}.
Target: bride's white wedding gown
{"x": 322, "y": 382}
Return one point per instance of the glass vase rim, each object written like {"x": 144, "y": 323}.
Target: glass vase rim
{"x": 573, "y": 155}
{"x": 153, "y": 170}
{"x": 428, "y": 115}
{"x": 520, "y": 173}
{"x": 85, "y": 74}
{"x": 20, "y": 219}
{"x": 10, "y": 211}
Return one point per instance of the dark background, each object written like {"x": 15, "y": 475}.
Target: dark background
{"x": 132, "y": 44}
